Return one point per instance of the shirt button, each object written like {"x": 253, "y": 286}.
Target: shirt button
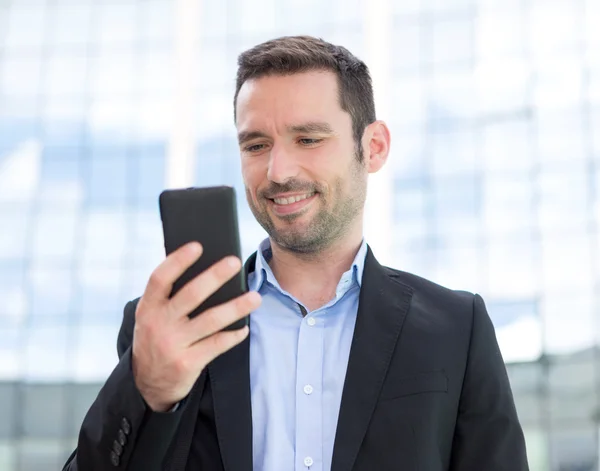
{"x": 308, "y": 461}
{"x": 311, "y": 321}
{"x": 308, "y": 389}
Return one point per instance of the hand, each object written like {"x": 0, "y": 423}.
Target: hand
{"x": 170, "y": 350}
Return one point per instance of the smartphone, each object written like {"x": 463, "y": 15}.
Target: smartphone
{"x": 207, "y": 215}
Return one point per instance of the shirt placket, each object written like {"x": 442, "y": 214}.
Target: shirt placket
{"x": 309, "y": 396}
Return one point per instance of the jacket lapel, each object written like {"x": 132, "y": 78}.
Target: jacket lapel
{"x": 230, "y": 381}
{"x": 383, "y": 305}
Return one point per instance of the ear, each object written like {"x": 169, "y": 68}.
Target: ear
{"x": 376, "y": 145}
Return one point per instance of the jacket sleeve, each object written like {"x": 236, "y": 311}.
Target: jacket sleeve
{"x": 488, "y": 434}
{"x": 119, "y": 430}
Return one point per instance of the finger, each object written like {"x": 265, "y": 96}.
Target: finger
{"x": 217, "y": 318}
{"x": 196, "y": 291}
{"x": 173, "y": 266}
{"x": 205, "y": 351}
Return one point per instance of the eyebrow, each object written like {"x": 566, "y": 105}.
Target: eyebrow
{"x": 312, "y": 127}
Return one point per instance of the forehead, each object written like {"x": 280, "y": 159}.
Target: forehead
{"x": 307, "y": 96}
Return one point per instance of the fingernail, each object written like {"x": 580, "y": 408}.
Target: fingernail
{"x": 233, "y": 262}
{"x": 194, "y": 248}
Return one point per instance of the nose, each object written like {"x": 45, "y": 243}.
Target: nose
{"x": 282, "y": 165}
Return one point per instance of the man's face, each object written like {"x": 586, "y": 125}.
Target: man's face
{"x": 303, "y": 180}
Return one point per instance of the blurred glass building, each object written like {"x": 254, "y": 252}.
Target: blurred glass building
{"x": 493, "y": 184}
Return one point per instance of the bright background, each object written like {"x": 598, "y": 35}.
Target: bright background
{"x": 493, "y": 183}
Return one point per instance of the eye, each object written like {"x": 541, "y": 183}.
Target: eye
{"x": 305, "y": 141}
{"x": 254, "y": 148}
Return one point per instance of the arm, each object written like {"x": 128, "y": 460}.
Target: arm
{"x": 120, "y": 421}
{"x": 488, "y": 434}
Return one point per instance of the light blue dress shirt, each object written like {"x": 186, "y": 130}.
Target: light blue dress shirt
{"x": 297, "y": 369}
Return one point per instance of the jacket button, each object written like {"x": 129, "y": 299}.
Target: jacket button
{"x": 122, "y": 438}
{"x": 125, "y": 426}
{"x": 114, "y": 459}
{"x": 117, "y": 448}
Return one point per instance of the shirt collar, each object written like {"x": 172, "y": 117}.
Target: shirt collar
{"x": 263, "y": 272}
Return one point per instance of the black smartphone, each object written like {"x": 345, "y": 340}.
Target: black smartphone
{"x": 207, "y": 215}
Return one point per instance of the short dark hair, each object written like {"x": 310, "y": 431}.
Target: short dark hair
{"x": 295, "y": 54}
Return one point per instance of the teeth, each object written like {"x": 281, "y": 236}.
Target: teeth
{"x": 292, "y": 199}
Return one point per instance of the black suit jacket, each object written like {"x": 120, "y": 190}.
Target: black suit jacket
{"x": 426, "y": 389}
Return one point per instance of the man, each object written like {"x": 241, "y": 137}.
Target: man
{"x": 347, "y": 365}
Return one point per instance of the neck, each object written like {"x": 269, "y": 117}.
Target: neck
{"x": 313, "y": 278}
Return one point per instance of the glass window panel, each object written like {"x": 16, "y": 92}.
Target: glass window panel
{"x": 459, "y": 267}
{"x": 60, "y": 183}
{"x": 502, "y": 88}
{"x": 563, "y": 199}
{"x": 222, "y": 67}
{"x": 594, "y": 135}
{"x": 499, "y": 32}
{"x": 11, "y": 352}
{"x": 101, "y": 299}
{"x": 19, "y": 172}
{"x": 36, "y": 455}
{"x": 561, "y": 135}
{"x": 258, "y": 17}
{"x": 508, "y": 204}
{"x": 157, "y": 19}
{"x": 104, "y": 240}
{"x": 116, "y": 23}
{"x": 66, "y": 75}
{"x": 21, "y": 75}
{"x": 559, "y": 83}
{"x": 114, "y": 73}
{"x": 554, "y": 25}
{"x": 410, "y": 99}
{"x": 568, "y": 321}
{"x": 294, "y": 14}
{"x": 408, "y": 7}
{"x": 51, "y": 293}
{"x": 149, "y": 172}
{"x": 453, "y": 40}
{"x": 114, "y": 119}
{"x": 152, "y": 118}
{"x": 454, "y": 153}
{"x": 345, "y": 11}
{"x": 108, "y": 172}
{"x": 8, "y": 458}
{"x": 591, "y": 19}
{"x": 451, "y": 97}
{"x": 95, "y": 355}
{"x": 15, "y": 305}
{"x": 8, "y": 407}
{"x": 407, "y": 45}
{"x": 526, "y": 381}
{"x": 156, "y": 72}
{"x": 507, "y": 146}
{"x": 146, "y": 247}
{"x": 63, "y": 120}
{"x": 456, "y": 199}
{"x": 412, "y": 201}
{"x": 13, "y": 242}
{"x": 409, "y": 155}
{"x": 71, "y": 24}
{"x": 536, "y": 441}
{"x": 26, "y": 26}
{"x": 39, "y": 420}
{"x": 574, "y": 448}
{"x": 444, "y": 6}
{"x": 46, "y": 354}
{"x": 513, "y": 270}
{"x": 567, "y": 261}
{"x": 572, "y": 393}
{"x": 55, "y": 233}
{"x": 215, "y": 20}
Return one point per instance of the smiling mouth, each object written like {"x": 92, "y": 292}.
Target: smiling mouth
{"x": 292, "y": 199}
